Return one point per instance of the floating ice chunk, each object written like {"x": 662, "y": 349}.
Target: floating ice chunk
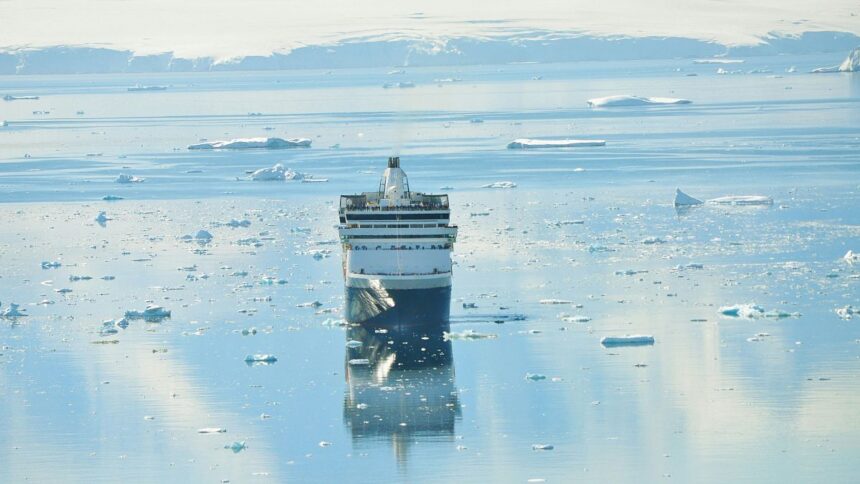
{"x": 10, "y": 97}
{"x": 718, "y": 60}
{"x": 684, "y": 200}
{"x": 265, "y": 359}
{"x": 312, "y": 304}
{"x": 235, "y": 223}
{"x": 576, "y": 319}
{"x": 275, "y": 173}
{"x": 13, "y": 312}
{"x": 111, "y": 198}
{"x": 748, "y": 311}
{"x": 653, "y": 241}
{"x": 555, "y": 301}
{"x": 851, "y": 257}
{"x": 525, "y": 143}
{"x": 847, "y": 312}
{"x": 500, "y": 184}
{"x": 628, "y": 340}
{"x": 125, "y": 178}
{"x": 236, "y": 447}
{"x": 354, "y": 344}
{"x": 211, "y": 430}
{"x": 324, "y": 443}
{"x": 359, "y": 362}
{"x": 203, "y": 236}
{"x": 102, "y": 218}
{"x": 535, "y": 377}
{"x": 51, "y": 265}
{"x": 74, "y": 278}
{"x": 779, "y": 314}
{"x": 251, "y": 143}
{"x": 152, "y": 313}
{"x": 543, "y": 447}
{"x": 742, "y": 200}
{"x": 141, "y": 88}
{"x": 467, "y": 334}
{"x": 628, "y": 100}
{"x": 470, "y": 305}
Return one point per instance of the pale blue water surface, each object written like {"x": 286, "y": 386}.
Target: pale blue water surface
{"x": 715, "y": 399}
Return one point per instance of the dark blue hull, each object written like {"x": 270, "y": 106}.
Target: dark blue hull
{"x": 398, "y": 307}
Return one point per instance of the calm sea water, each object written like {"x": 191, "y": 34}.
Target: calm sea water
{"x": 714, "y": 399}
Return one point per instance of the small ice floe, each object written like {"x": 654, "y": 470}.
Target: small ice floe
{"x": 742, "y": 200}
{"x": 851, "y": 257}
{"x": 779, "y": 314}
{"x": 718, "y": 60}
{"x": 628, "y": 100}
{"x": 653, "y": 241}
{"x": 325, "y": 443}
{"x": 628, "y": 340}
{"x": 252, "y": 143}
{"x": 262, "y": 359}
{"x": 500, "y": 184}
{"x": 236, "y": 447}
{"x": 556, "y": 301}
{"x": 212, "y": 430}
{"x": 359, "y": 362}
{"x": 847, "y": 312}
{"x": 111, "y": 198}
{"x": 233, "y": 223}
{"x": 51, "y": 265}
{"x": 576, "y": 319}
{"x": 747, "y": 311}
{"x": 74, "y": 278}
{"x": 311, "y": 304}
{"x": 535, "y": 377}
{"x": 525, "y": 143}
{"x": 13, "y": 311}
{"x": 684, "y": 200}
{"x": 354, "y": 344}
{"x": 126, "y": 178}
{"x": 468, "y": 335}
{"x": 152, "y": 313}
{"x": 470, "y": 305}
{"x": 543, "y": 447}
{"x": 102, "y": 218}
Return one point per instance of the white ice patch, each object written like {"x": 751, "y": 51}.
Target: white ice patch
{"x": 847, "y": 312}
{"x": 718, "y": 61}
{"x": 467, "y": 334}
{"x": 851, "y": 257}
{"x": 276, "y": 173}
{"x": 628, "y": 100}
{"x": 252, "y": 143}
{"x": 152, "y": 313}
{"x": 525, "y": 143}
{"x": 268, "y": 359}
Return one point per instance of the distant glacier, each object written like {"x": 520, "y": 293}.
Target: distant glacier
{"x": 532, "y": 47}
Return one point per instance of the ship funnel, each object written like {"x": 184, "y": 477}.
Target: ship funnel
{"x": 393, "y": 162}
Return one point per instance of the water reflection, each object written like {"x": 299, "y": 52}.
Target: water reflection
{"x": 400, "y": 378}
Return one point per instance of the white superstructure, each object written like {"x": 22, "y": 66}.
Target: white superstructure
{"x": 394, "y": 238}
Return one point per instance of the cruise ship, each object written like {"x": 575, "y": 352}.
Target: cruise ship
{"x": 396, "y": 253}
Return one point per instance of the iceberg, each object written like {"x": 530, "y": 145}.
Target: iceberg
{"x": 123, "y": 178}
{"x": 525, "y": 143}
{"x": 252, "y": 143}
{"x": 628, "y": 340}
{"x": 850, "y": 64}
{"x": 628, "y": 100}
{"x": 851, "y": 257}
{"x": 263, "y": 359}
{"x": 684, "y": 200}
{"x": 102, "y": 218}
{"x": 152, "y": 313}
{"x": 748, "y": 311}
{"x": 277, "y": 173}
{"x": 12, "y": 312}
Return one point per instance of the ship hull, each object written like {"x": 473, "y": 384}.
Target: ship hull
{"x": 398, "y": 308}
